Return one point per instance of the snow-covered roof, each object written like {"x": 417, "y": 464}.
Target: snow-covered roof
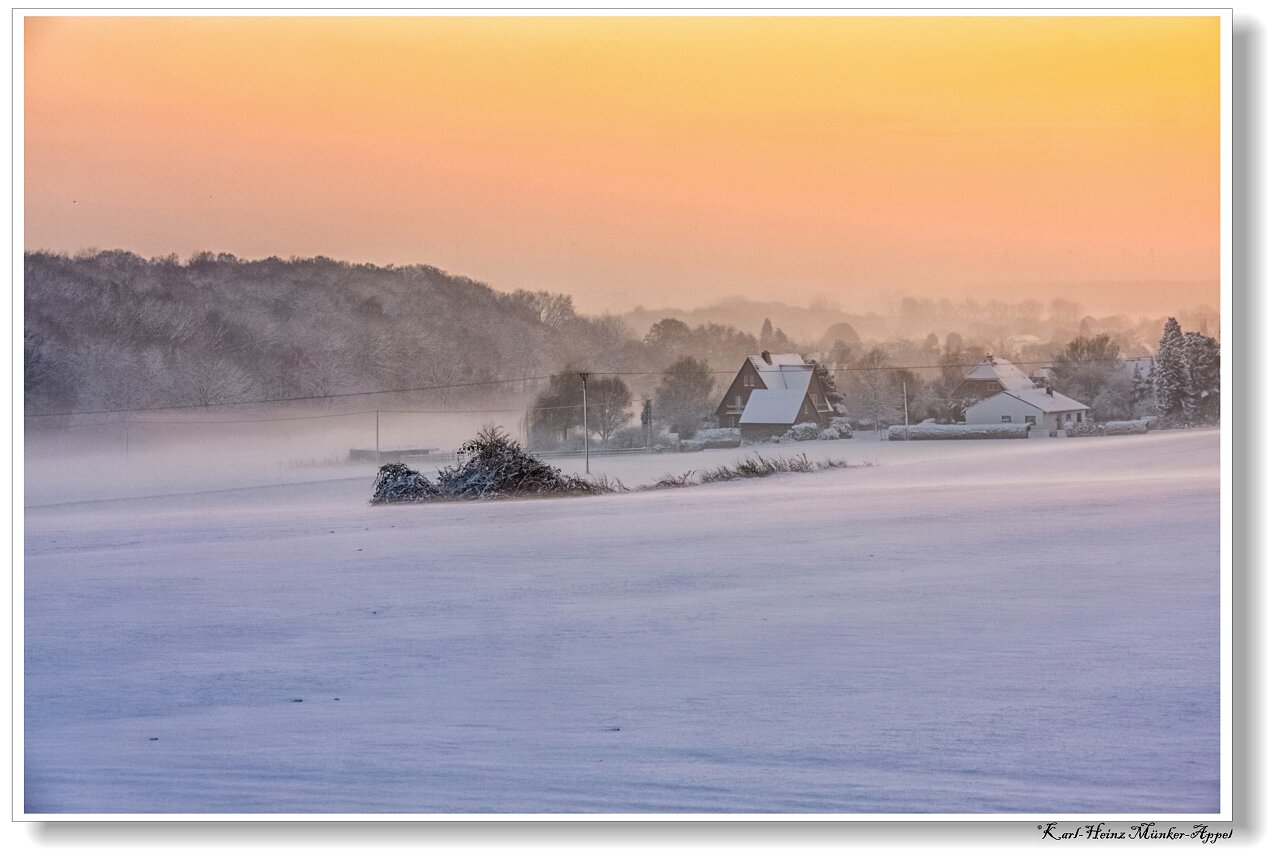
{"x": 1038, "y": 397}
{"x": 1003, "y": 371}
{"x": 787, "y": 371}
{"x": 773, "y": 407}
{"x": 1046, "y": 402}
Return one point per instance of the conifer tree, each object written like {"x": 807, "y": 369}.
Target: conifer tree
{"x": 1141, "y": 390}
{"x": 1172, "y": 380}
{"x": 1202, "y": 355}
{"x": 766, "y": 335}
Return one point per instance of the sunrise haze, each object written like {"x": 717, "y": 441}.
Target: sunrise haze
{"x": 656, "y": 161}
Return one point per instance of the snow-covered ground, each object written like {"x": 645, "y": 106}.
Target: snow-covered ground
{"x": 976, "y": 627}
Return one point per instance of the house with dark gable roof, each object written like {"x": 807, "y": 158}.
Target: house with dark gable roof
{"x": 771, "y": 393}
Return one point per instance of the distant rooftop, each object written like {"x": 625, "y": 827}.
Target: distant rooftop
{"x": 1003, "y": 371}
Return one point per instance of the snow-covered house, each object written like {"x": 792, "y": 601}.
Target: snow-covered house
{"x": 771, "y": 393}
{"x": 992, "y": 376}
{"x": 1041, "y": 407}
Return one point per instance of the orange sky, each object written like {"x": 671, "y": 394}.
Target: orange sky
{"x": 639, "y": 160}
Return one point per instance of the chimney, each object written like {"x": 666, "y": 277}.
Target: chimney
{"x": 1048, "y": 389}
{"x": 768, "y": 359}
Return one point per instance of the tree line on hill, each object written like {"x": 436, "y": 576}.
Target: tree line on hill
{"x": 113, "y": 330}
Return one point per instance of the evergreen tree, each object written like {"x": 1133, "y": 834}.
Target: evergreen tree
{"x": 1141, "y": 391}
{"x": 766, "y": 335}
{"x": 826, "y": 380}
{"x": 781, "y": 343}
{"x": 1202, "y": 355}
{"x": 1171, "y": 380}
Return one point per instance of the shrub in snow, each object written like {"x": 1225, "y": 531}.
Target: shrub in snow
{"x": 633, "y": 438}
{"x": 829, "y": 434}
{"x": 716, "y": 437}
{"x": 718, "y": 433}
{"x": 936, "y": 432}
{"x": 496, "y": 465}
{"x": 805, "y": 432}
{"x": 691, "y": 445}
{"x": 398, "y": 483}
{"x": 757, "y": 466}
{"x": 843, "y": 427}
{"x": 1137, "y": 427}
{"x": 1085, "y": 430}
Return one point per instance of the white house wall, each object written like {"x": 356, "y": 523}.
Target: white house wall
{"x": 993, "y": 410}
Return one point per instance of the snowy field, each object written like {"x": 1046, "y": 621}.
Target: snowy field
{"x": 965, "y": 627}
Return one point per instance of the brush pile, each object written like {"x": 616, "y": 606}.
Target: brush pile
{"x": 495, "y": 466}
{"x": 398, "y": 483}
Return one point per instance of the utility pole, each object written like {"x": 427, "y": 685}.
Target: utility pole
{"x": 586, "y": 436}
{"x": 906, "y": 421}
{"x": 646, "y": 420}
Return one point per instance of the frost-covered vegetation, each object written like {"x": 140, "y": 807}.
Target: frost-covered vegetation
{"x": 398, "y": 483}
{"x": 751, "y": 467}
{"x": 804, "y": 432}
{"x": 942, "y": 432}
{"x": 494, "y": 466}
{"x": 713, "y": 438}
{"x": 1093, "y": 428}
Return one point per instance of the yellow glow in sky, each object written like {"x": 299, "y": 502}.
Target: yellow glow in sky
{"x": 639, "y": 160}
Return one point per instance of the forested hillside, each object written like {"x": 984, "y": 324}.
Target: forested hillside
{"x": 114, "y": 330}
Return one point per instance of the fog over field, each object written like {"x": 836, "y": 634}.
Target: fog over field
{"x": 963, "y": 627}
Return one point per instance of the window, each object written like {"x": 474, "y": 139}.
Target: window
{"x": 748, "y": 380}
{"x": 993, "y": 386}
{"x": 1079, "y": 417}
{"x": 1031, "y": 419}
{"x": 737, "y": 401}
{"x": 814, "y": 399}
{"x": 1006, "y": 419}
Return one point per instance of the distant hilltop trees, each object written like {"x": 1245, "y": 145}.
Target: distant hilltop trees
{"x": 111, "y": 331}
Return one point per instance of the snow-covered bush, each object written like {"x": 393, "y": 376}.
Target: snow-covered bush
{"x": 936, "y": 432}
{"x": 804, "y": 432}
{"x": 1092, "y": 428}
{"x": 1135, "y": 427}
{"x": 718, "y": 437}
{"x": 398, "y": 483}
{"x": 843, "y": 427}
{"x": 829, "y": 434}
{"x": 634, "y": 438}
{"x": 1083, "y": 430}
{"x": 715, "y": 433}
